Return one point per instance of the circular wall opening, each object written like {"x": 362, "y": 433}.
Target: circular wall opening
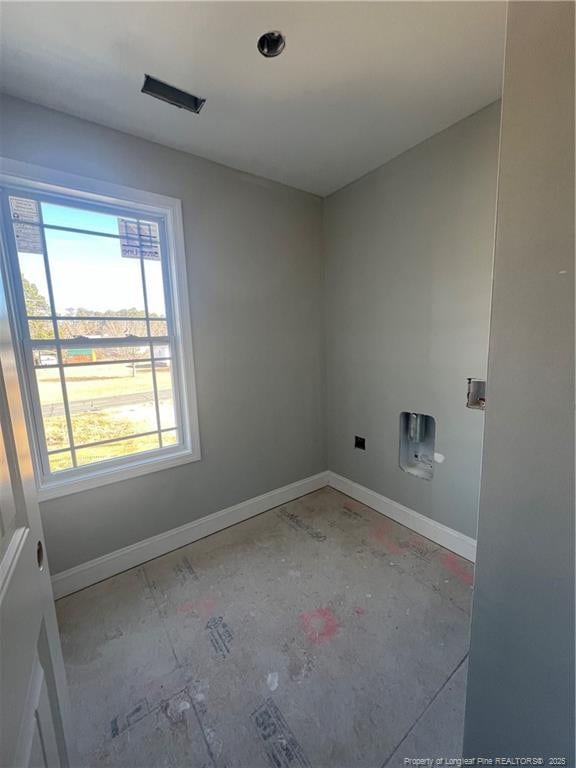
{"x": 271, "y": 44}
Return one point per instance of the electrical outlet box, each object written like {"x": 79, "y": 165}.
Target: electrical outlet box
{"x": 360, "y": 443}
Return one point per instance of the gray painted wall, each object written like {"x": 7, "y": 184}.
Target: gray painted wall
{"x": 254, "y": 272}
{"x": 408, "y": 253}
{"x": 407, "y": 266}
{"x": 521, "y": 673}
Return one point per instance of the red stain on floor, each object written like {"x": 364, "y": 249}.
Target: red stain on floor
{"x": 205, "y": 607}
{"x": 458, "y": 567}
{"x": 319, "y": 625}
{"x": 382, "y": 533}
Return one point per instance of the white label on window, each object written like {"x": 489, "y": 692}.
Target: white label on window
{"x": 22, "y": 209}
{"x": 139, "y": 238}
{"x": 28, "y": 238}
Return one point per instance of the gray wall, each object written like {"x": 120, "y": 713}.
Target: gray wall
{"x": 254, "y": 272}
{"x": 408, "y": 253}
{"x": 521, "y": 673}
{"x": 407, "y": 267}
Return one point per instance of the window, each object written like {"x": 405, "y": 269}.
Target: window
{"x": 106, "y": 366}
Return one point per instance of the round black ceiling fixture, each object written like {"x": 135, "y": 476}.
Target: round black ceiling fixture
{"x": 271, "y": 44}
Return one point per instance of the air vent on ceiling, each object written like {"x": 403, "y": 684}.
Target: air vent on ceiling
{"x": 172, "y": 95}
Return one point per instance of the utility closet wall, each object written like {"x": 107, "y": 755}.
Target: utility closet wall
{"x": 255, "y": 282}
{"x": 408, "y": 260}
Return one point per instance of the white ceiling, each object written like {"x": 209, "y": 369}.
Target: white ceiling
{"x": 357, "y": 84}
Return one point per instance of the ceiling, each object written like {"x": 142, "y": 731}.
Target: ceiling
{"x": 357, "y": 84}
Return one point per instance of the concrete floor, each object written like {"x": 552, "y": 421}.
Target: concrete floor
{"x": 317, "y": 635}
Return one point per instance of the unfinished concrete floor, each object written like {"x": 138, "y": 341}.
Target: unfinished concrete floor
{"x": 319, "y": 634}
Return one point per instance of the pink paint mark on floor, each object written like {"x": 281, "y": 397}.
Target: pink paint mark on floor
{"x": 205, "y": 607}
{"x": 360, "y": 611}
{"x": 319, "y": 625}
{"x": 382, "y": 533}
{"x": 458, "y": 567}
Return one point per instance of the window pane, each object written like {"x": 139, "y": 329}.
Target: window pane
{"x": 166, "y": 397}
{"x": 115, "y": 450}
{"x": 161, "y": 351}
{"x": 101, "y": 329}
{"x": 79, "y": 218}
{"x": 43, "y": 357}
{"x": 88, "y": 354}
{"x": 34, "y": 283}
{"x": 52, "y": 407}
{"x": 41, "y": 329}
{"x": 170, "y": 438}
{"x": 60, "y": 461}
{"x": 158, "y": 328}
{"x": 90, "y": 272}
{"x": 110, "y": 401}
{"x": 155, "y": 288}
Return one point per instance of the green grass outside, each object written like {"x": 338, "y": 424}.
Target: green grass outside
{"x": 99, "y": 381}
{"x": 94, "y": 426}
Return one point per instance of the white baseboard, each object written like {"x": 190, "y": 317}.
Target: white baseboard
{"x": 447, "y": 537}
{"x": 67, "y": 582}
{"x": 93, "y": 571}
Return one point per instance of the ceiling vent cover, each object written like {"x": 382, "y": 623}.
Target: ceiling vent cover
{"x": 271, "y": 44}
{"x": 172, "y": 95}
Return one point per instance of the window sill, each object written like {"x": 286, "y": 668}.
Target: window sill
{"x": 56, "y": 489}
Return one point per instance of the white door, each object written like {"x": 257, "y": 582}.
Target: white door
{"x": 33, "y": 697}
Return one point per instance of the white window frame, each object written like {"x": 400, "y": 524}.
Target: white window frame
{"x": 24, "y": 177}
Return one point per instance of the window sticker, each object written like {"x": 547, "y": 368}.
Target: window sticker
{"x": 22, "y": 209}
{"x": 139, "y": 238}
{"x": 28, "y": 238}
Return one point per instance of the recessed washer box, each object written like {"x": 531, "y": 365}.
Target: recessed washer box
{"x": 417, "y": 438}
